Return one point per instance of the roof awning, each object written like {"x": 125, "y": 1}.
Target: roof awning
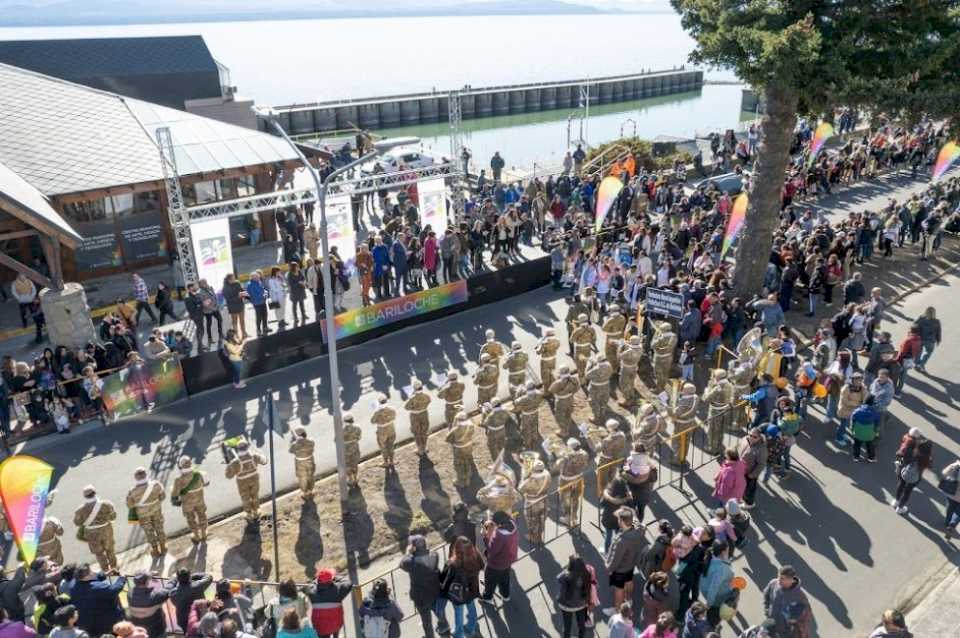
{"x": 26, "y": 203}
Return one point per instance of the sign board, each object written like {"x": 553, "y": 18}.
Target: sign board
{"x": 211, "y": 245}
{"x": 142, "y": 237}
{"x": 340, "y": 233}
{"x": 664, "y": 302}
{"x": 433, "y": 204}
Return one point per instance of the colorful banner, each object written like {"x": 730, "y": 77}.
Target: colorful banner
{"x": 340, "y": 232}
{"x": 820, "y": 137}
{"x": 610, "y": 187}
{"x": 24, "y": 485}
{"x": 433, "y": 204}
{"x": 735, "y": 223}
{"x": 211, "y": 245}
{"x": 945, "y": 159}
{"x": 143, "y": 386}
{"x": 369, "y": 317}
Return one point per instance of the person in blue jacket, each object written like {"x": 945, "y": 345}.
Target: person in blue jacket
{"x": 715, "y": 584}
{"x": 97, "y": 599}
{"x": 381, "y": 269}
{"x": 764, "y": 400}
{"x": 398, "y": 254}
{"x": 257, "y": 294}
{"x": 864, "y": 421}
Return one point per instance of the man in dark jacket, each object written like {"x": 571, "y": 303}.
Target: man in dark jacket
{"x": 194, "y": 305}
{"x": 188, "y": 589}
{"x": 423, "y": 567}
{"x": 778, "y": 596}
{"x": 145, "y": 605}
{"x": 624, "y": 556}
{"x": 97, "y": 599}
{"x": 502, "y": 540}
{"x": 10, "y": 594}
{"x": 326, "y": 600}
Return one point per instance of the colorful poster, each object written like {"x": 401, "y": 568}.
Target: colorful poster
{"x": 143, "y": 386}
{"x": 24, "y": 485}
{"x": 609, "y": 189}
{"x": 393, "y": 310}
{"x": 211, "y": 248}
{"x": 433, "y": 204}
{"x": 340, "y": 233}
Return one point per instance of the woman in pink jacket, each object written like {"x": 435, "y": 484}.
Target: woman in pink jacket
{"x": 730, "y": 481}
{"x": 430, "y": 258}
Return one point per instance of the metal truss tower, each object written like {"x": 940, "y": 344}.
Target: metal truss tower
{"x": 458, "y": 177}
{"x": 179, "y": 216}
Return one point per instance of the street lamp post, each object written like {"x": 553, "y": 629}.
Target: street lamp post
{"x": 380, "y": 147}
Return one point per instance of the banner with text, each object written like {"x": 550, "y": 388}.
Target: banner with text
{"x": 143, "y": 386}
{"x": 393, "y": 310}
{"x": 664, "y": 302}
{"x": 433, "y": 204}
{"x": 211, "y": 245}
{"x": 340, "y": 234}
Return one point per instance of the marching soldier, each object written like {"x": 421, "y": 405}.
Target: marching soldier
{"x": 547, "y": 348}
{"x": 515, "y": 364}
{"x": 494, "y": 348}
{"x": 719, "y": 398}
{"x": 571, "y": 466}
{"x": 49, "y": 543}
{"x": 351, "y": 449}
{"x": 452, "y": 393}
{"x": 486, "y": 378}
{"x": 563, "y": 390}
{"x": 460, "y": 437}
{"x": 499, "y": 495}
{"x": 535, "y": 487}
{"x": 598, "y": 375}
{"x": 305, "y": 466}
{"x": 528, "y": 405}
{"x": 243, "y": 467}
{"x": 741, "y": 376}
{"x": 383, "y": 418}
{"x": 584, "y": 339}
{"x": 683, "y": 415}
{"x": 94, "y": 522}
{"x": 417, "y": 407}
{"x": 613, "y": 329}
{"x": 664, "y": 347}
{"x": 145, "y": 499}
{"x": 574, "y": 311}
{"x": 648, "y": 427}
{"x": 613, "y": 448}
{"x": 494, "y": 422}
{"x": 187, "y": 494}
{"x": 630, "y": 355}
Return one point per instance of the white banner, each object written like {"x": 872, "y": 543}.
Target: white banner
{"x": 211, "y": 248}
{"x": 433, "y": 204}
{"x": 340, "y": 229}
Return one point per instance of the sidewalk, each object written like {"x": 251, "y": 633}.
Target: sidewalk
{"x": 938, "y": 613}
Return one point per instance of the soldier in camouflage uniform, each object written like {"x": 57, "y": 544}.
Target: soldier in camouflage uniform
{"x": 613, "y": 447}
{"x": 584, "y": 339}
{"x": 571, "y": 466}
{"x": 515, "y": 364}
{"x": 186, "y": 492}
{"x": 486, "y": 378}
{"x": 494, "y": 348}
{"x": 95, "y": 519}
{"x": 460, "y": 437}
{"x": 563, "y": 390}
{"x": 598, "y": 375}
{"x": 243, "y": 467}
{"x": 574, "y": 311}
{"x": 304, "y": 465}
{"x": 383, "y": 419}
{"x": 741, "y": 375}
{"x": 498, "y": 495}
{"x": 49, "y": 543}
{"x": 719, "y": 398}
{"x": 146, "y": 498}
{"x": 452, "y": 393}
{"x": 664, "y": 346}
{"x": 351, "y": 449}
{"x": 494, "y": 421}
{"x": 535, "y": 489}
{"x": 613, "y": 332}
{"x": 648, "y": 427}
{"x": 547, "y": 348}
{"x": 630, "y": 355}
{"x": 417, "y": 406}
{"x": 683, "y": 416}
{"x": 528, "y": 406}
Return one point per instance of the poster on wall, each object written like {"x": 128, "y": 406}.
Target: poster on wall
{"x": 143, "y": 386}
{"x": 433, "y": 204}
{"x": 211, "y": 245}
{"x": 99, "y": 247}
{"x": 340, "y": 229}
{"x": 142, "y": 236}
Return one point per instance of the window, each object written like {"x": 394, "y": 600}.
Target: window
{"x": 89, "y": 211}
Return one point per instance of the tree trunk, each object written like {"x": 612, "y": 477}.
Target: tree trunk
{"x": 766, "y": 184}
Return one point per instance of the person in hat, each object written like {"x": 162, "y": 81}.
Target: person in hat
{"x": 547, "y": 348}
{"x": 417, "y": 407}
{"x": 326, "y": 598}
{"x": 664, "y": 345}
{"x": 452, "y": 394}
{"x": 502, "y": 541}
{"x": 49, "y": 543}
{"x": 786, "y": 604}
{"x": 718, "y": 396}
{"x": 630, "y": 355}
{"x": 598, "y": 374}
{"x": 753, "y": 453}
{"x": 486, "y": 378}
{"x": 145, "y": 502}
{"x": 97, "y": 599}
{"x": 527, "y": 406}
{"x": 570, "y": 466}
{"x": 351, "y": 449}
{"x": 423, "y": 567}
{"x": 145, "y": 604}
{"x": 492, "y": 347}
{"x": 515, "y": 364}
{"x": 612, "y": 330}
{"x": 584, "y": 339}
{"x": 461, "y": 437}
{"x": 187, "y": 493}
{"x": 94, "y": 522}
{"x": 304, "y": 464}
{"x": 683, "y": 415}
{"x": 243, "y": 467}
{"x": 563, "y": 389}
{"x": 576, "y": 309}
{"x": 535, "y": 487}
{"x": 383, "y": 419}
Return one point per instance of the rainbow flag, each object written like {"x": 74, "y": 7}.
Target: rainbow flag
{"x": 735, "y": 223}
{"x": 945, "y": 159}
{"x": 610, "y": 187}
{"x": 820, "y": 137}
{"x": 24, "y": 484}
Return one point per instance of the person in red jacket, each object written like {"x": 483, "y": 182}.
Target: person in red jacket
{"x": 502, "y": 540}
{"x": 907, "y": 357}
{"x": 326, "y": 600}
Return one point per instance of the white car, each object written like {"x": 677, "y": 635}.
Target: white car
{"x": 405, "y": 159}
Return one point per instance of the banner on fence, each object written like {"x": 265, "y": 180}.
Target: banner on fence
{"x": 433, "y": 204}
{"x": 393, "y": 310}
{"x": 664, "y": 302}
{"x": 211, "y": 244}
{"x": 340, "y": 233}
{"x": 143, "y": 385}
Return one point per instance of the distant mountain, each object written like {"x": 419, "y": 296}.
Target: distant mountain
{"x": 88, "y": 12}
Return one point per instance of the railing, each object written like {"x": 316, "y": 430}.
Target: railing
{"x": 605, "y": 159}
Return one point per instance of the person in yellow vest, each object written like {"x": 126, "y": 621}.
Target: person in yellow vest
{"x": 304, "y": 464}
{"x": 145, "y": 505}
{"x": 94, "y": 522}
{"x": 186, "y": 492}
{"x": 243, "y": 467}
{"x": 771, "y": 361}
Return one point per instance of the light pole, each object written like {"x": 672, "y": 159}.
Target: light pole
{"x": 380, "y": 147}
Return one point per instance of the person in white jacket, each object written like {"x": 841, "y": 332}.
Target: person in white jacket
{"x": 24, "y": 292}
{"x": 277, "y": 292}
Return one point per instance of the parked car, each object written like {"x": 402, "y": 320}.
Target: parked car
{"x": 407, "y": 159}
{"x": 730, "y": 183}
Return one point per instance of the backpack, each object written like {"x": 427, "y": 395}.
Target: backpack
{"x": 376, "y": 627}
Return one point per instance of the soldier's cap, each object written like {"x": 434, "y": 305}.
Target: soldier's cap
{"x": 573, "y": 443}
{"x": 719, "y": 373}
{"x": 538, "y": 466}
{"x": 582, "y": 318}
{"x": 689, "y": 388}
{"x": 89, "y": 490}
{"x": 647, "y": 409}
{"x": 461, "y": 416}
{"x": 348, "y": 417}
{"x": 484, "y": 357}
{"x": 382, "y": 398}
{"x": 613, "y": 424}
{"x": 417, "y": 384}
{"x": 564, "y": 369}
{"x": 140, "y": 471}
{"x": 495, "y": 401}
{"x": 243, "y": 446}
{"x": 452, "y": 376}
{"x": 300, "y": 430}
{"x": 550, "y": 332}
{"x": 515, "y": 346}
{"x": 614, "y": 308}
{"x": 185, "y": 461}
{"x": 489, "y": 334}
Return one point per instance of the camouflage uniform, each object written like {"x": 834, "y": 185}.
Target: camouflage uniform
{"x": 452, "y": 393}
{"x": 384, "y": 418}
{"x": 418, "y": 406}
{"x": 613, "y": 447}
{"x": 741, "y": 376}
{"x": 147, "y": 499}
{"x": 460, "y": 437}
{"x": 630, "y": 356}
{"x": 719, "y": 398}
{"x": 563, "y": 390}
{"x": 547, "y": 348}
{"x": 49, "y": 543}
{"x": 584, "y": 339}
{"x": 528, "y": 407}
{"x": 98, "y": 531}
{"x": 535, "y": 489}
{"x": 494, "y": 348}
{"x": 683, "y": 416}
{"x": 187, "y": 490}
{"x": 574, "y": 312}
{"x": 571, "y": 467}
{"x": 598, "y": 375}
{"x": 486, "y": 378}
{"x": 494, "y": 422}
{"x": 305, "y": 466}
{"x": 351, "y": 449}
{"x": 243, "y": 467}
{"x": 648, "y": 427}
{"x": 613, "y": 332}
{"x": 664, "y": 345}
{"x": 515, "y": 364}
